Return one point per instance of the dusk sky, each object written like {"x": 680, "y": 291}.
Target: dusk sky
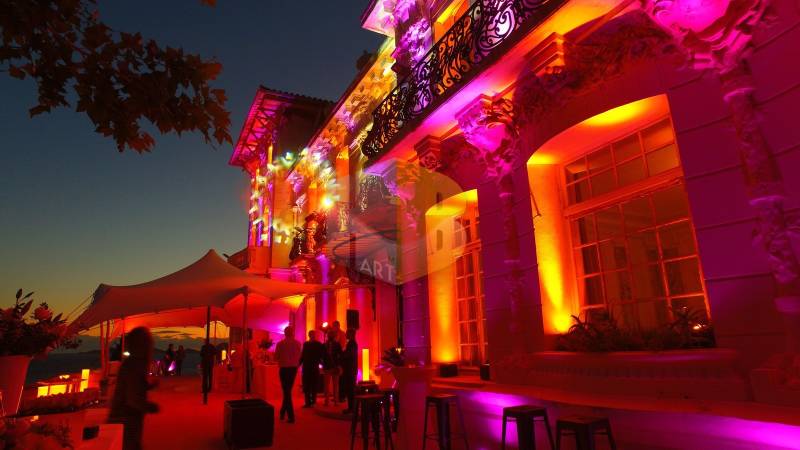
{"x": 76, "y": 213}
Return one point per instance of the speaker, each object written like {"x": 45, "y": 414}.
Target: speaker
{"x": 248, "y": 423}
{"x": 448, "y": 370}
{"x": 352, "y": 319}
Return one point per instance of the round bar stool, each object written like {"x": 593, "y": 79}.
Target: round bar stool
{"x": 584, "y": 428}
{"x": 443, "y": 436}
{"x": 366, "y": 387}
{"x": 368, "y": 410}
{"x": 526, "y": 416}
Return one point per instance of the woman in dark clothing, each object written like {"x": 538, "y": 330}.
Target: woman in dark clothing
{"x": 349, "y": 369}
{"x": 331, "y": 368}
{"x": 129, "y": 403}
{"x": 169, "y": 358}
{"x": 180, "y": 355}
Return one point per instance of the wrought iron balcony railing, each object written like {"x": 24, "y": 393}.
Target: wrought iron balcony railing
{"x": 485, "y": 31}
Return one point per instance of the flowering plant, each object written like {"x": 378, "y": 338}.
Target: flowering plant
{"x": 34, "y": 335}
{"x": 24, "y": 434}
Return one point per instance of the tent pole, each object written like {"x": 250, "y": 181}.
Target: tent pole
{"x": 208, "y": 329}
{"x": 102, "y": 351}
{"x": 245, "y": 369}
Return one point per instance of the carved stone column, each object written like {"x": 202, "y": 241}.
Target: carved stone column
{"x": 718, "y": 36}
{"x": 488, "y": 125}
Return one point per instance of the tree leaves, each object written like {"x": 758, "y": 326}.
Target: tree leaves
{"x": 117, "y": 79}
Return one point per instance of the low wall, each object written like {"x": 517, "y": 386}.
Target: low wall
{"x": 705, "y": 374}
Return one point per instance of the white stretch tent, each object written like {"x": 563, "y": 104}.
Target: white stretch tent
{"x": 208, "y": 289}
{"x": 182, "y": 298}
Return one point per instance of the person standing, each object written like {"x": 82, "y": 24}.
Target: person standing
{"x": 332, "y": 368}
{"x": 287, "y": 353}
{"x": 169, "y": 358}
{"x": 349, "y": 369}
{"x": 311, "y": 357}
{"x": 129, "y": 402}
{"x": 208, "y": 356}
{"x": 180, "y": 355}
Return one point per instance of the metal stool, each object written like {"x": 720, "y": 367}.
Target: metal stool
{"x": 392, "y": 405}
{"x": 584, "y": 428}
{"x": 525, "y": 416}
{"x": 369, "y": 408}
{"x": 441, "y": 402}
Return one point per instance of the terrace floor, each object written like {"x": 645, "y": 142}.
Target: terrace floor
{"x": 185, "y": 423}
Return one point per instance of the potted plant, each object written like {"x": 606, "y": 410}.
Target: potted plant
{"x": 26, "y": 332}
{"x": 24, "y": 433}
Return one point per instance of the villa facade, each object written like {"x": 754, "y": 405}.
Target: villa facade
{"x": 500, "y": 170}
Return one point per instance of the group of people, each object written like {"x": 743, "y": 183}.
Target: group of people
{"x": 172, "y": 363}
{"x": 338, "y": 358}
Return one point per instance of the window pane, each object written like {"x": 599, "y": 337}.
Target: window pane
{"x": 460, "y": 266}
{"x": 653, "y": 314}
{"x": 613, "y": 254}
{"x": 463, "y": 313}
{"x": 472, "y": 309}
{"x": 587, "y": 260}
{"x": 624, "y": 314}
{"x": 462, "y": 291}
{"x": 618, "y": 286}
{"x": 696, "y": 306}
{"x": 643, "y": 247}
{"x": 473, "y": 332}
{"x": 470, "y": 286}
{"x": 670, "y": 204}
{"x": 631, "y": 172}
{"x": 609, "y": 222}
{"x": 470, "y": 268}
{"x": 627, "y": 148}
{"x": 647, "y": 282}
{"x": 663, "y": 159}
{"x": 583, "y": 230}
{"x": 603, "y": 183}
{"x": 683, "y": 277}
{"x": 677, "y": 240}
{"x": 657, "y": 135}
{"x": 599, "y": 160}
{"x": 578, "y": 192}
{"x": 637, "y": 214}
{"x": 576, "y": 170}
{"x": 593, "y": 291}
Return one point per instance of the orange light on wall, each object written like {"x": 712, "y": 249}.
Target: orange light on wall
{"x": 84, "y": 380}
{"x": 223, "y": 355}
{"x": 618, "y": 115}
{"x": 365, "y": 364}
{"x": 441, "y": 276}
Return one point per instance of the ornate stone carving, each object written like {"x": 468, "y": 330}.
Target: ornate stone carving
{"x": 429, "y": 153}
{"x": 489, "y": 125}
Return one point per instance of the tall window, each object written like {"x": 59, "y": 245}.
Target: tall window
{"x": 632, "y": 235}
{"x": 469, "y": 292}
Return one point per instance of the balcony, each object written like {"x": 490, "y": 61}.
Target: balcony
{"x": 481, "y": 36}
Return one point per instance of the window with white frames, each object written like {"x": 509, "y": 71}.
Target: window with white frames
{"x": 632, "y": 235}
{"x": 473, "y": 343}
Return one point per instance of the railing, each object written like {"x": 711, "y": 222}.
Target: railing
{"x": 472, "y": 41}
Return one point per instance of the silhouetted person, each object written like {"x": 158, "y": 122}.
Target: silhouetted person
{"x": 180, "y": 355}
{"x": 129, "y": 403}
{"x": 208, "y": 357}
{"x": 311, "y": 357}
{"x": 169, "y": 358}
{"x": 287, "y": 353}
{"x": 332, "y": 367}
{"x": 349, "y": 369}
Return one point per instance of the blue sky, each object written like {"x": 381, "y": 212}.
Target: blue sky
{"x": 74, "y": 212}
